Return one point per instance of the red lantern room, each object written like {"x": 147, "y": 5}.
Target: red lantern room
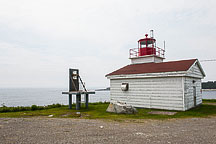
{"x": 147, "y": 51}
{"x": 146, "y": 46}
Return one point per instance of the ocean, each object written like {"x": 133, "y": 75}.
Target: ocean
{"x": 42, "y": 96}
{"x": 46, "y": 96}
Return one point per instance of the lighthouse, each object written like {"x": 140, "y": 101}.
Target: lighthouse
{"x": 147, "y": 51}
{"x": 149, "y": 82}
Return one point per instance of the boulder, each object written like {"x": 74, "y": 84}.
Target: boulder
{"x": 121, "y": 108}
{"x": 111, "y": 108}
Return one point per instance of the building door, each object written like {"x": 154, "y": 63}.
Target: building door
{"x": 194, "y": 95}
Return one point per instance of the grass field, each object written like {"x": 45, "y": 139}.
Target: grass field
{"x": 98, "y": 111}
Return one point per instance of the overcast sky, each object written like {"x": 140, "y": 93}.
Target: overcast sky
{"x": 41, "y": 39}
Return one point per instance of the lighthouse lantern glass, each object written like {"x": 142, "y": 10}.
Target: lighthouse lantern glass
{"x": 147, "y": 43}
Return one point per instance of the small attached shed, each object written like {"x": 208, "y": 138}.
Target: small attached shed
{"x": 173, "y": 85}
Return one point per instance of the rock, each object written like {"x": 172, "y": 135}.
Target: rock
{"x": 50, "y": 115}
{"x": 101, "y": 127}
{"x": 121, "y": 108}
{"x": 110, "y": 108}
{"x": 78, "y": 113}
{"x": 139, "y": 133}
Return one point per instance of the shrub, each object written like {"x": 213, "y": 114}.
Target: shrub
{"x": 34, "y": 107}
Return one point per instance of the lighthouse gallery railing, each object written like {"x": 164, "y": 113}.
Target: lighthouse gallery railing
{"x": 135, "y": 52}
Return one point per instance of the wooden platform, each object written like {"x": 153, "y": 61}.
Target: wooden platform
{"x": 79, "y": 92}
{"x": 78, "y": 98}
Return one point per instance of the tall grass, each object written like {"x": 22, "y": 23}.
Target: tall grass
{"x": 209, "y": 100}
{"x": 28, "y": 108}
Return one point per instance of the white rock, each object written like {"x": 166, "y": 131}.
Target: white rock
{"x": 50, "y": 115}
{"x": 139, "y": 133}
{"x": 121, "y": 108}
{"x": 101, "y": 127}
{"x": 78, "y": 113}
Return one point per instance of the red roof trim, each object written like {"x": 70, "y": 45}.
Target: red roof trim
{"x": 170, "y": 66}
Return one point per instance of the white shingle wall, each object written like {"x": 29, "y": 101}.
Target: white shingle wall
{"x": 194, "y": 74}
{"x": 162, "y": 91}
{"x": 159, "y": 93}
{"x": 189, "y": 92}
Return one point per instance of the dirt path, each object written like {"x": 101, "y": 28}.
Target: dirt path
{"x": 210, "y": 103}
{"x": 57, "y": 130}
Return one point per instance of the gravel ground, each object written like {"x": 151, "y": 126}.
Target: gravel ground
{"x": 66, "y": 130}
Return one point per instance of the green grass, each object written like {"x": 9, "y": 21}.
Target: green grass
{"x": 98, "y": 111}
{"x": 32, "y": 108}
{"x": 209, "y": 100}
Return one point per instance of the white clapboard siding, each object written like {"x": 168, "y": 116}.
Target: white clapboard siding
{"x": 159, "y": 93}
{"x": 189, "y": 83}
{"x": 195, "y": 71}
{"x": 168, "y": 90}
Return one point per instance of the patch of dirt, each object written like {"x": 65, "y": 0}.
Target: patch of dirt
{"x": 210, "y": 103}
{"x": 79, "y": 115}
{"x": 162, "y": 113}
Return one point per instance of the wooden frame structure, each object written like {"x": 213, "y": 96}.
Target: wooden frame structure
{"x": 74, "y": 79}
{"x": 78, "y": 98}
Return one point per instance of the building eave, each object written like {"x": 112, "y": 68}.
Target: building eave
{"x": 149, "y": 75}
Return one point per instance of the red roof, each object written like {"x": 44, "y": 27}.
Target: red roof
{"x": 170, "y": 66}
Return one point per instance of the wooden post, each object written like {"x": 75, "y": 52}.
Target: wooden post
{"x": 86, "y": 100}
{"x": 78, "y": 101}
{"x": 70, "y": 101}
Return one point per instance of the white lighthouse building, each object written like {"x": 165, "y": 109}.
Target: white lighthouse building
{"x": 148, "y": 82}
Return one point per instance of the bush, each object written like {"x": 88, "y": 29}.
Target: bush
{"x": 53, "y": 106}
{"x": 34, "y": 107}
{"x": 4, "y": 109}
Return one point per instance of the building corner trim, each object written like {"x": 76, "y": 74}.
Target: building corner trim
{"x": 183, "y": 93}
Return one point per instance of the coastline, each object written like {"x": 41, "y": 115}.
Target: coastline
{"x": 208, "y": 89}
